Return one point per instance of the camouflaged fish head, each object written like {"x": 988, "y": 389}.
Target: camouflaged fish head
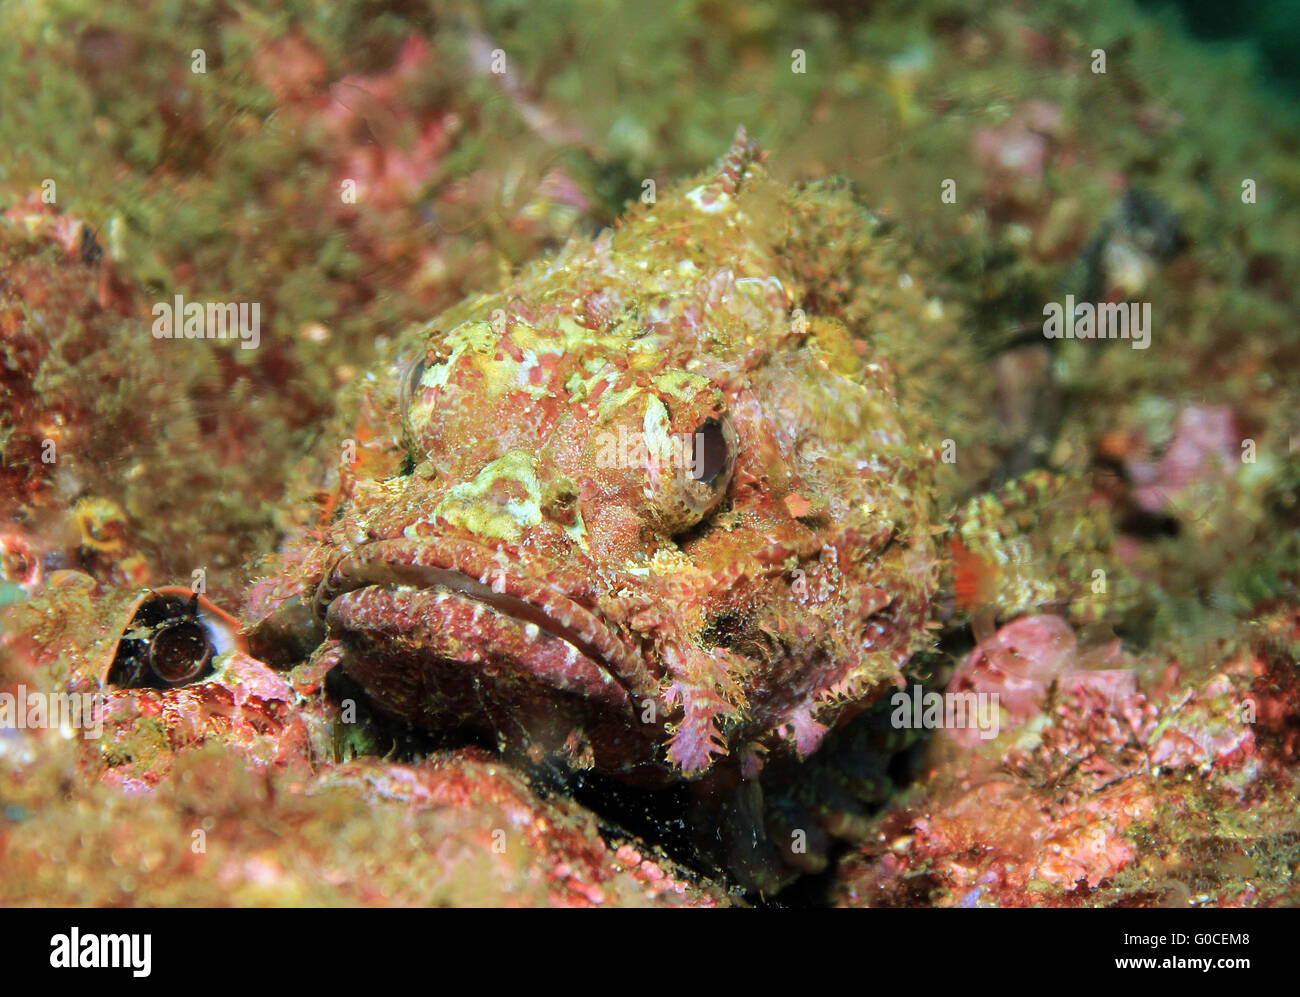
{"x": 645, "y": 509}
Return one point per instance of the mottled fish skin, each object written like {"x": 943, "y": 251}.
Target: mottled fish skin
{"x": 506, "y": 557}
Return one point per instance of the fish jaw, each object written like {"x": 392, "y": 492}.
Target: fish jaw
{"x": 454, "y": 634}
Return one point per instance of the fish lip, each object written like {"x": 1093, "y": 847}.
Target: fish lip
{"x": 478, "y": 573}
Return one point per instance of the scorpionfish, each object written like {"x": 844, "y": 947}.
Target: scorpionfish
{"x": 663, "y": 503}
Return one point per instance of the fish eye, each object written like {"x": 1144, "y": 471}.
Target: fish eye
{"x": 687, "y": 490}
{"x": 180, "y": 652}
{"x": 417, "y": 372}
{"x": 712, "y": 452}
{"x": 409, "y": 386}
{"x": 414, "y": 374}
{"x": 170, "y": 641}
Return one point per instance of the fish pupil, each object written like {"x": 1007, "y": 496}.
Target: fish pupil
{"x": 712, "y": 456}
{"x": 179, "y": 652}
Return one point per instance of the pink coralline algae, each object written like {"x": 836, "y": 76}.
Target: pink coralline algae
{"x": 526, "y": 850}
{"x": 1019, "y": 664}
{"x": 1020, "y": 148}
{"x": 1102, "y": 801}
{"x": 246, "y": 706}
{"x": 1206, "y": 446}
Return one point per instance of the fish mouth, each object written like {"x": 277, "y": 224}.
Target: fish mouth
{"x": 436, "y": 627}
